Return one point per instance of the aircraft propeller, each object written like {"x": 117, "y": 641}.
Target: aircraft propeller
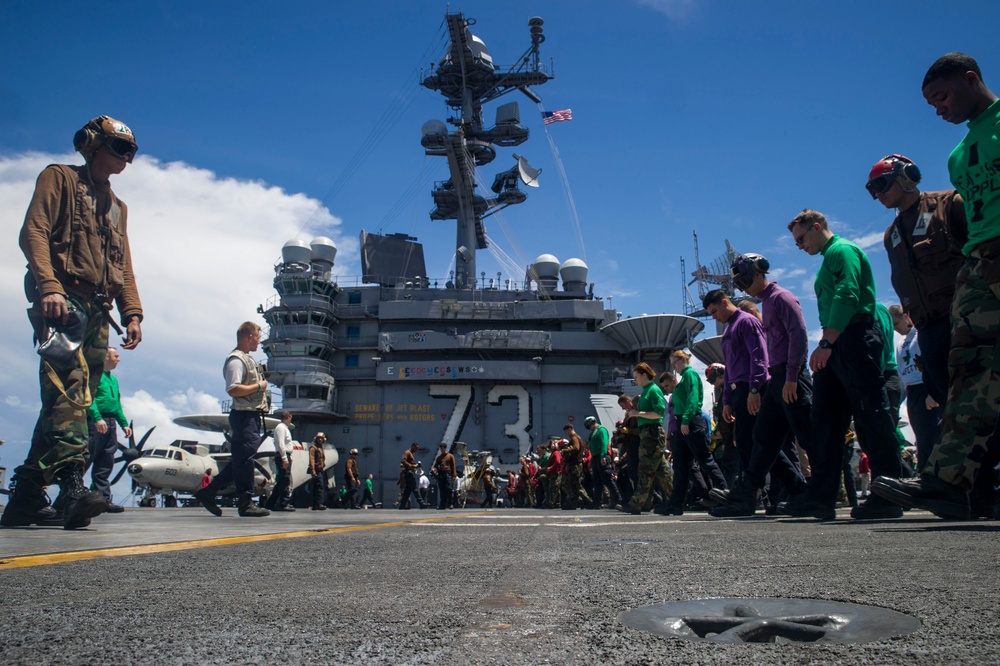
{"x": 131, "y": 452}
{"x": 261, "y": 468}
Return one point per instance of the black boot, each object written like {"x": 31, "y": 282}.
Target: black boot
{"x": 79, "y": 505}
{"x": 741, "y": 500}
{"x": 206, "y": 496}
{"x": 29, "y": 505}
{"x": 247, "y": 508}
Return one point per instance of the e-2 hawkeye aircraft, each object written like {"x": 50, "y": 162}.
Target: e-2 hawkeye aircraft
{"x": 179, "y": 467}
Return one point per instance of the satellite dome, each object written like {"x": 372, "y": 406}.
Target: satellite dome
{"x": 434, "y": 128}
{"x": 546, "y": 266}
{"x": 574, "y": 272}
{"x": 296, "y": 251}
{"x": 433, "y": 134}
{"x": 478, "y": 48}
{"x": 323, "y": 250}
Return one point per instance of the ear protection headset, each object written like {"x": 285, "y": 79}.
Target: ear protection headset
{"x": 889, "y": 169}
{"x": 87, "y": 139}
{"x": 745, "y": 266}
{"x": 905, "y": 171}
{"x": 99, "y": 131}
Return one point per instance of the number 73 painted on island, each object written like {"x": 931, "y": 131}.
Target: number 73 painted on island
{"x": 465, "y": 393}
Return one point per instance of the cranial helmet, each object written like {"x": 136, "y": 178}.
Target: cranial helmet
{"x": 589, "y": 421}
{"x": 745, "y": 266}
{"x": 105, "y": 131}
{"x": 714, "y": 371}
{"x": 890, "y": 169}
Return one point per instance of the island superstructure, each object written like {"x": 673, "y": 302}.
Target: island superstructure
{"x": 394, "y": 356}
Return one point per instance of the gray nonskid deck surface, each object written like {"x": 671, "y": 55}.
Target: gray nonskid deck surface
{"x": 514, "y": 586}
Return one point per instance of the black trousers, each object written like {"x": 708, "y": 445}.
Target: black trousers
{"x": 894, "y": 392}
{"x": 775, "y": 421}
{"x": 934, "y": 339}
{"x": 319, "y": 483}
{"x": 851, "y": 386}
{"x": 601, "y": 476}
{"x": 690, "y": 447}
{"x": 279, "y": 494}
{"x": 409, "y": 490}
{"x": 743, "y": 424}
{"x": 926, "y": 423}
{"x": 102, "y": 456}
{"x": 350, "y": 498}
{"x": 246, "y": 429}
{"x": 446, "y": 488}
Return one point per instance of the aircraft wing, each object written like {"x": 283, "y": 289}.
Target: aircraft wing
{"x": 216, "y": 422}
{"x": 607, "y": 410}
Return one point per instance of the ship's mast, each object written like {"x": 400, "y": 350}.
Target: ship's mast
{"x": 467, "y": 78}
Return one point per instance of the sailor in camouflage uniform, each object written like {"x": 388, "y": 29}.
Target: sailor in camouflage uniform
{"x": 954, "y": 87}
{"x": 75, "y": 237}
{"x": 652, "y": 440}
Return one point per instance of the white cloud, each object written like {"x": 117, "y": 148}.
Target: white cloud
{"x": 148, "y": 412}
{"x": 786, "y": 273}
{"x": 201, "y": 246}
{"x": 870, "y": 240}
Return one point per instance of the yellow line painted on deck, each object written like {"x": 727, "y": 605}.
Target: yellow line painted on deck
{"x": 82, "y": 555}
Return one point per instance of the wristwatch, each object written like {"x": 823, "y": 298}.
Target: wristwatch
{"x": 825, "y": 344}
{"x": 754, "y": 390}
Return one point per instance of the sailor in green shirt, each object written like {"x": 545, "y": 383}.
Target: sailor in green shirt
{"x": 652, "y": 440}
{"x": 600, "y": 466}
{"x": 691, "y": 442}
{"x": 954, "y": 87}
{"x": 848, "y": 379}
{"x": 104, "y": 416}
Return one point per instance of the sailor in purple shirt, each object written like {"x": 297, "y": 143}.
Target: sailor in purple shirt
{"x": 745, "y": 349}
{"x": 785, "y": 403}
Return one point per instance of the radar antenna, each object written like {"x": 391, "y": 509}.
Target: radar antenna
{"x": 467, "y": 78}
{"x": 716, "y": 275}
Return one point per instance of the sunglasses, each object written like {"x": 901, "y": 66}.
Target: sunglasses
{"x": 801, "y": 237}
{"x": 880, "y": 184}
{"x": 121, "y": 148}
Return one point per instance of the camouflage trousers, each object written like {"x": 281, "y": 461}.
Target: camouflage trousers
{"x": 573, "y": 486}
{"x": 552, "y": 490}
{"x": 970, "y": 415}
{"x": 527, "y": 492}
{"x": 61, "y": 437}
{"x": 652, "y": 465}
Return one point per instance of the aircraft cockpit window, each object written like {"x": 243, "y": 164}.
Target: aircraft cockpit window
{"x": 158, "y": 453}
{"x": 176, "y": 455}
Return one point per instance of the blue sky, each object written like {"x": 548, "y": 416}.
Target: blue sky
{"x": 253, "y": 120}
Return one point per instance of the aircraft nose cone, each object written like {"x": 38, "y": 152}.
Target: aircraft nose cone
{"x": 135, "y": 469}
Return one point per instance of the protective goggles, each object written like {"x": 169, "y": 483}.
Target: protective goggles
{"x": 742, "y": 280}
{"x": 120, "y": 147}
{"x": 880, "y": 184}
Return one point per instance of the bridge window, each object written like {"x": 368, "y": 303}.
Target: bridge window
{"x": 314, "y": 392}
{"x": 351, "y": 361}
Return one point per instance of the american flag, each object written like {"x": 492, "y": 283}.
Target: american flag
{"x": 549, "y": 117}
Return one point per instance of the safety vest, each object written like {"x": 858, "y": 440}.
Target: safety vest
{"x": 254, "y": 401}
{"x": 923, "y": 248}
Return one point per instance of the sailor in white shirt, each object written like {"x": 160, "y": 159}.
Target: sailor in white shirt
{"x": 282, "y": 435}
